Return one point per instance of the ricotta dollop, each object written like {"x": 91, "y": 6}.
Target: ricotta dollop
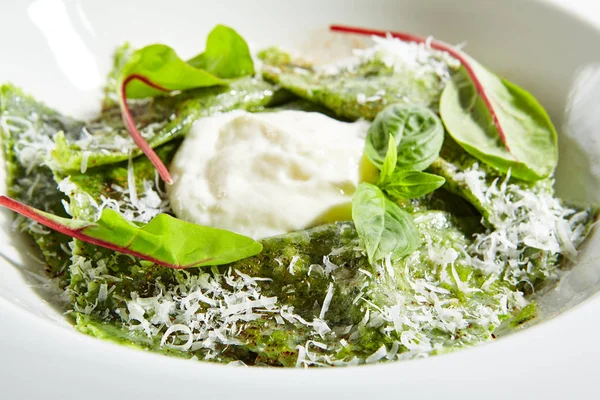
{"x": 264, "y": 174}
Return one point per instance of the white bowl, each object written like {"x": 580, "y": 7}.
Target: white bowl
{"x": 60, "y": 51}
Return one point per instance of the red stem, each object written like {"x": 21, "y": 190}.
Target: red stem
{"x": 135, "y": 133}
{"x": 434, "y": 44}
{"x": 35, "y": 215}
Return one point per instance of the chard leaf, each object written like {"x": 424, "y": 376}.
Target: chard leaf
{"x": 411, "y": 184}
{"x": 156, "y": 69}
{"x": 418, "y": 134}
{"x": 227, "y": 54}
{"x": 165, "y": 240}
{"x": 527, "y": 142}
{"x": 162, "y": 67}
{"x": 385, "y": 229}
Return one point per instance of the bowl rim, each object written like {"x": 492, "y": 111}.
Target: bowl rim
{"x": 466, "y": 362}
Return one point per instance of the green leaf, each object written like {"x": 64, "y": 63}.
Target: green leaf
{"x": 411, "y": 184}
{"x": 156, "y": 69}
{"x": 384, "y": 228}
{"x": 162, "y": 66}
{"x": 529, "y": 147}
{"x": 418, "y": 132}
{"x": 165, "y": 240}
{"x": 389, "y": 163}
{"x": 227, "y": 54}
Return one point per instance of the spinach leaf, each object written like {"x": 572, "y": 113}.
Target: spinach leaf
{"x": 411, "y": 184}
{"x": 526, "y": 144}
{"x": 227, "y": 54}
{"x": 389, "y": 163}
{"x": 385, "y": 229}
{"x": 418, "y": 134}
{"x": 165, "y": 240}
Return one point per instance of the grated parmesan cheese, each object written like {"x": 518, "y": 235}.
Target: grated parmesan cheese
{"x": 326, "y": 301}
{"x": 378, "y": 355}
{"x": 521, "y": 218}
{"x": 395, "y": 53}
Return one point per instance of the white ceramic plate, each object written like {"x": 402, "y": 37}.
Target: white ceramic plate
{"x": 60, "y": 51}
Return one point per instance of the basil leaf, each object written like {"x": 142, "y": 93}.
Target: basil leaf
{"x": 165, "y": 240}
{"x": 384, "y": 228}
{"x": 527, "y": 144}
{"x": 411, "y": 184}
{"x": 227, "y": 54}
{"x": 389, "y": 163}
{"x": 418, "y": 132}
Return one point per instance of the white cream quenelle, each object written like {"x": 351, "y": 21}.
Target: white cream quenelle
{"x": 265, "y": 174}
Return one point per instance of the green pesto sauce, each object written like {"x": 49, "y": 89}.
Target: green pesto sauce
{"x": 352, "y": 94}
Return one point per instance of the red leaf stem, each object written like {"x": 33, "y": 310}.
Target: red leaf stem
{"x": 135, "y": 133}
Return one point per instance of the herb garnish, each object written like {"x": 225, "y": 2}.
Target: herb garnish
{"x": 418, "y": 136}
{"x": 405, "y": 184}
{"x": 156, "y": 69}
{"x": 385, "y": 229}
{"x": 401, "y": 141}
{"x": 165, "y": 240}
{"x": 492, "y": 119}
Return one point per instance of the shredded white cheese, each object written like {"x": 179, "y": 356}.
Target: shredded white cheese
{"x": 326, "y": 301}
{"x": 400, "y": 55}
{"x": 521, "y": 218}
